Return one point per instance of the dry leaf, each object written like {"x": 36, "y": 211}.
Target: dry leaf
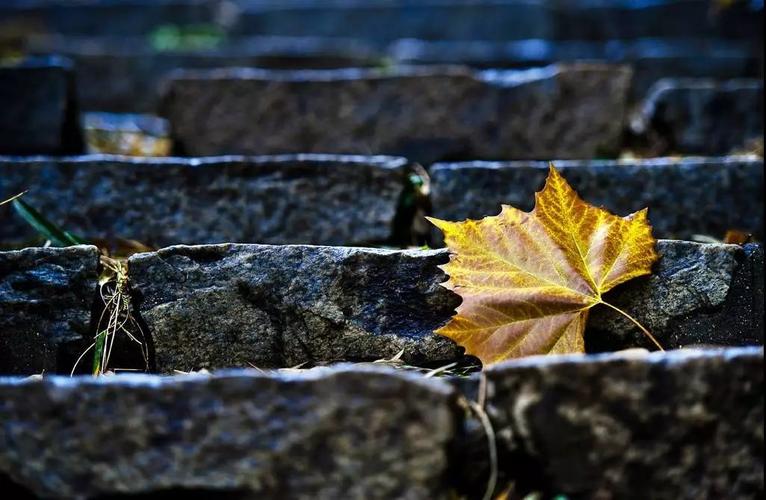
{"x": 737, "y": 237}
{"x": 528, "y": 280}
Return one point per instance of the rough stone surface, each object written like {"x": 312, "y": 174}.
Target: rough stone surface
{"x": 271, "y": 306}
{"x": 385, "y": 20}
{"x": 424, "y": 114}
{"x": 46, "y": 295}
{"x": 331, "y": 433}
{"x": 317, "y": 199}
{"x": 675, "y": 425}
{"x": 698, "y": 116}
{"x": 697, "y": 294}
{"x": 234, "y": 305}
{"x": 125, "y": 74}
{"x": 39, "y": 115}
{"x": 651, "y": 59}
{"x": 685, "y": 196}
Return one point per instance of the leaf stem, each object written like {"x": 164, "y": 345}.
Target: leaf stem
{"x": 639, "y": 325}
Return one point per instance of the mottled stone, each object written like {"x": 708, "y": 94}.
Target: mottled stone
{"x": 329, "y": 433}
{"x": 674, "y": 425}
{"x": 697, "y": 294}
{"x": 497, "y": 20}
{"x": 271, "y": 306}
{"x": 39, "y": 115}
{"x": 318, "y": 199}
{"x": 651, "y": 59}
{"x": 685, "y": 196}
{"x": 46, "y": 295}
{"x": 125, "y": 74}
{"x": 424, "y": 114}
{"x": 701, "y": 116}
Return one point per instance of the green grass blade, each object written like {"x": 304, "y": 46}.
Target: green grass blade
{"x": 46, "y": 228}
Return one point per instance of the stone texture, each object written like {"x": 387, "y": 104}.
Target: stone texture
{"x": 125, "y": 74}
{"x": 46, "y": 295}
{"x": 271, "y": 306}
{"x": 685, "y": 196}
{"x": 700, "y": 116}
{"x": 318, "y": 199}
{"x": 424, "y": 114}
{"x": 329, "y": 433}
{"x": 386, "y": 20}
{"x": 675, "y": 425}
{"x": 697, "y": 294}
{"x": 234, "y": 305}
{"x": 39, "y": 115}
{"x": 651, "y": 59}
{"x": 126, "y": 134}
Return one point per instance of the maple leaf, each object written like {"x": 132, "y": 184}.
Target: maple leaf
{"x": 529, "y": 279}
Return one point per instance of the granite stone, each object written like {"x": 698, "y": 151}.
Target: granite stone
{"x": 424, "y": 114}
{"x": 328, "y": 433}
{"x": 39, "y": 112}
{"x": 316, "y": 199}
{"x": 701, "y": 116}
{"x": 46, "y": 296}
{"x": 685, "y": 196}
{"x": 270, "y": 306}
{"x": 686, "y": 424}
{"x": 280, "y": 306}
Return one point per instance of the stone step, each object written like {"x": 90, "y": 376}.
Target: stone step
{"x": 319, "y": 199}
{"x": 424, "y": 114}
{"x": 124, "y": 74}
{"x": 701, "y": 116}
{"x": 589, "y": 426}
{"x": 39, "y": 114}
{"x": 271, "y": 306}
{"x": 46, "y": 297}
{"x": 685, "y": 196}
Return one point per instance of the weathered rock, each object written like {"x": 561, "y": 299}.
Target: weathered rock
{"x": 125, "y": 74}
{"x": 280, "y": 306}
{"x": 651, "y": 59}
{"x": 675, "y": 425}
{"x": 39, "y": 115}
{"x": 697, "y": 294}
{"x": 685, "y": 196}
{"x": 698, "y": 116}
{"x": 234, "y": 305}
{"x": 424, "y": 114}
{"x": 497, "y": 20}
{"x": 320, "y": 199}
{"x": 329, "y": 433}
{"x": 46, "y": 295}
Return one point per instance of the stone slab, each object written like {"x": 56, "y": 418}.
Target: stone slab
{"x": 342, "y": 432}
{"x": 701, "y": 116}
{"x": 270, "y": 306}
{"x": 685, "y": 196}
{"x": 677, "y": 425}
{"x": 46, "y": 296}
{"x": 424, "y": 114}
{"x": 280, "y": 306}
{"x": 39, "y": 113}
{"x": 318, "y": 199}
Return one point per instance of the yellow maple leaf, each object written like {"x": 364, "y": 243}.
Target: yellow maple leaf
{"x": 528, "y": 280}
